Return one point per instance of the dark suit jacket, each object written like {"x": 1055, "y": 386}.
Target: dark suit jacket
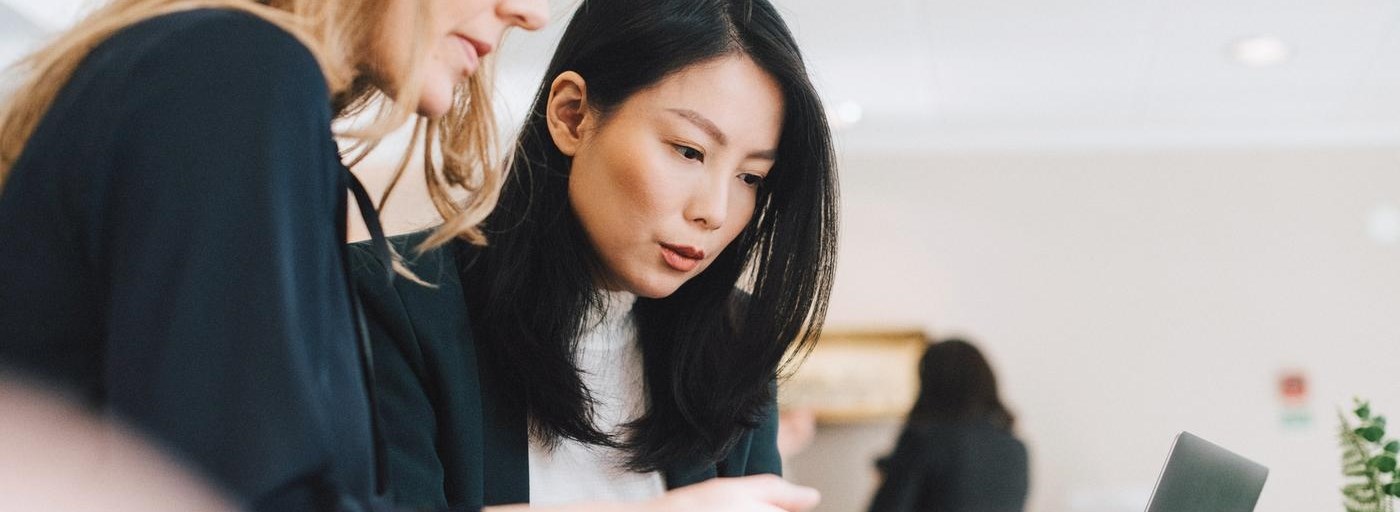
{"x": 450, "y": 442}
{"x": 954, "y": 467}
{"x": 173, "y": 253}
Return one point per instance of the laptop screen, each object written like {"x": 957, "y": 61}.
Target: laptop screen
{"x": 1202, "y": 477}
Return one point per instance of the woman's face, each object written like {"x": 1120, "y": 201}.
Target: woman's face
{"x": 671, "y": 177}
{"x": 462, "y": 33}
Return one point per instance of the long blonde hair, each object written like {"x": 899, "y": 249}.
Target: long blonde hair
{"x": 334, "y": 31}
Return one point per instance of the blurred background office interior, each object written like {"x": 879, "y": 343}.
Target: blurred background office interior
{"x": 1152, "y": 215}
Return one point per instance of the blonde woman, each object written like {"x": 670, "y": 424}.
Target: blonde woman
{"x": 172, "y": 220}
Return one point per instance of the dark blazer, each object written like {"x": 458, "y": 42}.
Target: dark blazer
{"x": 173, "y": 251}
{"x": 954, "y": 467}
{"x": 450, "y": 443}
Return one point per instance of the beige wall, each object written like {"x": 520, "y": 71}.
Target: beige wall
{"x": 1124, "y": 297}
{"x": 841, "y": 462}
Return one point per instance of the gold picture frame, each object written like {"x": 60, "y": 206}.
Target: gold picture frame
{"x": 856, "y": 375}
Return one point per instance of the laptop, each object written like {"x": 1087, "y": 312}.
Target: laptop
{"x": 1202, "y": 477}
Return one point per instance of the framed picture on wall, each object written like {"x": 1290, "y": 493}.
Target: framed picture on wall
{"x": 857, "y": 375}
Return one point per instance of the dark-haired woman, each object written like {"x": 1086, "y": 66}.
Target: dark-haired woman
{"x": 957, "y": 452}
{"x": 598, "y": 349}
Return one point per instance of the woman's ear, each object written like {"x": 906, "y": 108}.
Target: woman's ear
{"x": 567, "y": 111}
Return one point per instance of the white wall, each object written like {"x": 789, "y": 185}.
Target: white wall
{"x": 1124, "y": 297}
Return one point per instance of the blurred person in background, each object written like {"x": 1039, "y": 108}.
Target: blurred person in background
{"x": 957, "y": 452}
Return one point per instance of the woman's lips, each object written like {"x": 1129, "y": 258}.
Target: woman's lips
{"x": 473, "y": 50}
{"x": 683, "y": 258}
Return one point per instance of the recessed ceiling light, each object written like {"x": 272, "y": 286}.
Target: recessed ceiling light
{"x": 843, "y": 114}
{"x": 849, "y": 112}
{"x": 1260, "y": 51}
{"x": 1384, "y": 224}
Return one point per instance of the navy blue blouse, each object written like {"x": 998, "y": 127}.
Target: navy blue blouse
{"x": 171, "y": 249}
{"x": 972, "y": 466}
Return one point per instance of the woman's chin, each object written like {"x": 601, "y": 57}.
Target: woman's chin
{"x": 436, "y": 99}
{"x": 657, "y": 287}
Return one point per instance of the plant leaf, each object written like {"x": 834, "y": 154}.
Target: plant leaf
{"x": 1372, "y": 434}
{"x": 1385, "y": 463}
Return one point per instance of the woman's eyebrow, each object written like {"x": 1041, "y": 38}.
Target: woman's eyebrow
{"x": 709, "y": 127}
{"x": 702, "y": 122}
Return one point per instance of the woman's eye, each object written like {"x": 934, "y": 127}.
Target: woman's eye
{"x": 752, "y": 180}
{"x": 689, "y": 153}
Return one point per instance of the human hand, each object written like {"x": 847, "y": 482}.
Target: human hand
{"x": 758, "y": 493}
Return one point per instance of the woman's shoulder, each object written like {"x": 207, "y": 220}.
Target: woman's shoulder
{"x": 436, "y": 270}
{"x": 231, "y": 45}
{"x": 960, "y": 433}
{"x": 197, "y": 30}
{"x": 432, "y": 266}
{"x": 411, "y": 314}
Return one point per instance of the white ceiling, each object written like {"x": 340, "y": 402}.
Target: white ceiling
{"x": 1076, "y": 74}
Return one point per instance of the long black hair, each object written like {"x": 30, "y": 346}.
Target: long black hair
{"x": 710, "y": 354}
{"x": 956, "y": 384}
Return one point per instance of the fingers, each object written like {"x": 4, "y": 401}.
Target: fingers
{"x": 780, "y": 493}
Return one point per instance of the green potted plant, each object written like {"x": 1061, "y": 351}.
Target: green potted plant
{"x": 1368, "y": 461}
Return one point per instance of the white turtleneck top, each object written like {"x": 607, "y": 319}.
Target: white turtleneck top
{"x": 610, "y": 364}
